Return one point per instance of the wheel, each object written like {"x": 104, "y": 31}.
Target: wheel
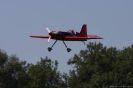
{"x": 49, "y": 49}
{"x": 68, "y": 49}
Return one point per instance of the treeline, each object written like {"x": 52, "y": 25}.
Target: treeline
{"x": 97, "y": 66}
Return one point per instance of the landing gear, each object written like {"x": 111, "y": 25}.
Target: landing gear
{"x": 50, "y": 48}
{"x": 68, "y": 49}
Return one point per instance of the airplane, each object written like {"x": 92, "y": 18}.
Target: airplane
{"x": 68, "y": 36}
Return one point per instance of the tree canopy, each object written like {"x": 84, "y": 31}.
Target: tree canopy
{"x": 97, "y": 66}
{"x": 102, "y": 67}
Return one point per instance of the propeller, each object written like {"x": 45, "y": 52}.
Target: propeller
{"x": 49, "y": 38}
{"x": 49, "y": 34}
{"x": 48, "y": 30}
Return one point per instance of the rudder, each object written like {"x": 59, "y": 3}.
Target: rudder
{"x": 83, "y": 31}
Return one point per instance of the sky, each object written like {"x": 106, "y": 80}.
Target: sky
{"x": 110, "y": 19}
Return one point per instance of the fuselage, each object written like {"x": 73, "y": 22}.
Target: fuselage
{"x": 61, "y": 36}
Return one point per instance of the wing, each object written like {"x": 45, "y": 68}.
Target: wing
{"x": 39, "y": 36}
{"x": 94, "y": 37}
{"x": 83, "y": 37}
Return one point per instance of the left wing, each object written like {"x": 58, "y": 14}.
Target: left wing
{"x": 40, "y": 36}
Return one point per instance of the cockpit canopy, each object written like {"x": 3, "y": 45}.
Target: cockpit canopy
{"x": 72, "y": 32}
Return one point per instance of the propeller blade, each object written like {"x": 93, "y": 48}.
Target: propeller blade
{"x": 49, "y": 38}
{"x": 48, "y": 30}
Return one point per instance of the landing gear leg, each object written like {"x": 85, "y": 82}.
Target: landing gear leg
{"x": 50, "y": 48}
{"x": 68, "y": 49}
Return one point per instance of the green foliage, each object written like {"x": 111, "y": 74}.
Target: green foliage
{"x": 3, "y": 58}
{"x": 19, "y": 74}
{"x": 45, "y": 75}
{"x": 99, "y": 67}
{"x": 12, "y": 73}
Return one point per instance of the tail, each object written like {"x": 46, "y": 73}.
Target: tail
{"x": 83, "y": 31}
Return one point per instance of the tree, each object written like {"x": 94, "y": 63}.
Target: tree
{"x": 15, "y": 73}
{"x": 99, "y": 66}
{"x": 3, "y": 60}
{"x": 45, "y": 75}
{"x": 12, "y": 72}
{"x": 18, "y": 74}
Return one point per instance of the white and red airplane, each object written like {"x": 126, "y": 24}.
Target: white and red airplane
{"x": 68, "y": 36}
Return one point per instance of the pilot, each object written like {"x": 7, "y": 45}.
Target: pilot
{"x": 72, "y": 32}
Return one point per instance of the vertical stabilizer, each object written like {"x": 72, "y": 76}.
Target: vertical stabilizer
{"x": 83, "y": 31}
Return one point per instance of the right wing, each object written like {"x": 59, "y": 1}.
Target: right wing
{"x": 83, "y": 37}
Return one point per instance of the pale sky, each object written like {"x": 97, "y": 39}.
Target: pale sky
{"x": 110, "y": 19}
